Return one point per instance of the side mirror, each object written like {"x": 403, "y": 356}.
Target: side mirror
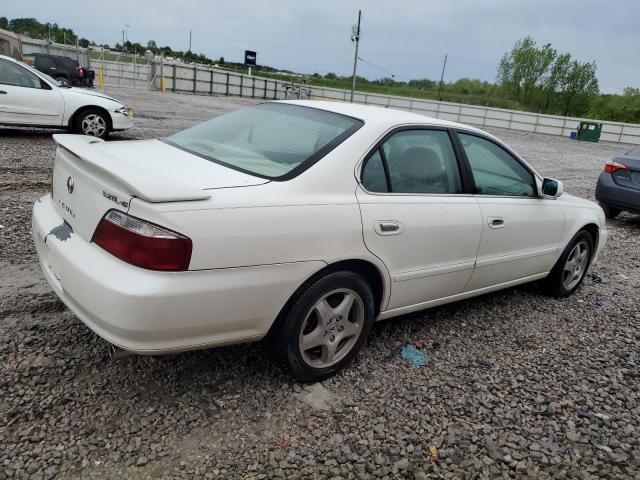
{"x": 551, "y": 188}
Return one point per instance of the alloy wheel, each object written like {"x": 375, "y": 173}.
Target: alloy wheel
{"x": 94, "y": 125}
{"x": 576, "y": 265}
{"x": 331, "y": 328}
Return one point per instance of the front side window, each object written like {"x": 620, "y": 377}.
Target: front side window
{"x": 13, "y": 74}
{"x": 495, "y": 171}
{"x": 418, "y": 161}
{"x": 271, "y": 140}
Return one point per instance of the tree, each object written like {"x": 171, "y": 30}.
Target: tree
{"x": 558, "y": 71}
{"x": 578, "y": 87}
{"x": 521, "y": 70}
{"x": 152, "y": 45}
{"x": 4, "y": 23}
{"x": 422, "y": 84}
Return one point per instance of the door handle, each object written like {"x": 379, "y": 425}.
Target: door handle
{"x": 496, "y": 222}
{"x": 2, "y": 92}
{"x": 388, "y": 227}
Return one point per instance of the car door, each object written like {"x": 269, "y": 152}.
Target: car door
{"x": 25, "y": 99}
{"x": 416, "y": 216}
{"x": 521, "y": 231}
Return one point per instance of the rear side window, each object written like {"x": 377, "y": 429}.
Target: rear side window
{"x": 495, "y": 171}
{"x": 44, "y": 63}
{"x": 272, "y": 140}
{"x": 373, "y": 177}
{"x": 69, "y": 63}
{"x": 418, "y": 161}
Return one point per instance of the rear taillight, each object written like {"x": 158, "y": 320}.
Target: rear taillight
{"x": 613, "y": 166}
{"x": 80, "y": 72}
{"x": 142, "y": 243}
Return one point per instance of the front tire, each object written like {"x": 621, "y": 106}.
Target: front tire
{"x": 325, "y": 327}
{"x": 92, "y": 122}
{"x": 609, "y": 211}
{"x": 570, "y": 270}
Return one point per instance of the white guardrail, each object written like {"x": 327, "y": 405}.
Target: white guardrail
{"x": 201, "y": 79}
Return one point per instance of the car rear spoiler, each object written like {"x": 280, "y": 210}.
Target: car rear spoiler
{"x": 138, "y": 183}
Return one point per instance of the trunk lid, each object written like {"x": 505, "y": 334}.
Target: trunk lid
{"x": 628, "y": 178}
{"x": 91, "y": 176}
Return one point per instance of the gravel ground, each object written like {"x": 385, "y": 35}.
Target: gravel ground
{"x": 517, "y": 384}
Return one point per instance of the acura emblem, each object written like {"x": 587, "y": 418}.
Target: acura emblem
{"x": 70, "y": 184}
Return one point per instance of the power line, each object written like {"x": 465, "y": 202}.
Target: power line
{"x": 393, "y": 75}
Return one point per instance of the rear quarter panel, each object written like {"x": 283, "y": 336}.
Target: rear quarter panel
{"x": 312, "y": 217}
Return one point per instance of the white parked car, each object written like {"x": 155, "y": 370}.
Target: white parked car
{"x": 302, "y": 222}
{"x": 29, "y": 98}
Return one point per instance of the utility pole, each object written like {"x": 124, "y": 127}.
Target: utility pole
{"x": 189, "y": 40}
{"x": 355, "y": 37}
{"x": 442, "y": 78}
{"x": 124, "y": 38}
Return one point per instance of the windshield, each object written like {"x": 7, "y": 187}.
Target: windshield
{"x": 272, "y": 140}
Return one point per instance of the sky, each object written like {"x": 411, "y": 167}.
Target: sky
{"x": 404, "y": 38}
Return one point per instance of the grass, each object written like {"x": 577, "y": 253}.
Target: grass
{"x": 114, "y": 57}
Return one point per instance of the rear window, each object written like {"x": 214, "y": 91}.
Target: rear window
{"x": 273, "y": 140}
{"x": 634, "y": 152}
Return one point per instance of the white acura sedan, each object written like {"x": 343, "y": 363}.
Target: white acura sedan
{"x": 302, "y": 222}
{"x": 29, "y": 98}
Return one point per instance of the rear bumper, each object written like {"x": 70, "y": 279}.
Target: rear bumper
{"x": 614, "y": 195}
{"x": 150, "y": 312}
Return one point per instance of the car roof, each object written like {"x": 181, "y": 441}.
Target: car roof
{"x": 370, "y": 113}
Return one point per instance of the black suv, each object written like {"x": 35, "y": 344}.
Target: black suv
{"x": 65, "y": 70}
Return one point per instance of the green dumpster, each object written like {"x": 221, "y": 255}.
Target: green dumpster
{"x": 589, "y": 131}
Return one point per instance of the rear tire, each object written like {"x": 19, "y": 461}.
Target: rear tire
{"x": 64, "y": 81}
{"x": 570, "y": 270}
{"x": 609, "y": 211}
{"x": 325, "y": 327}
{"x": 95, "y": 123}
